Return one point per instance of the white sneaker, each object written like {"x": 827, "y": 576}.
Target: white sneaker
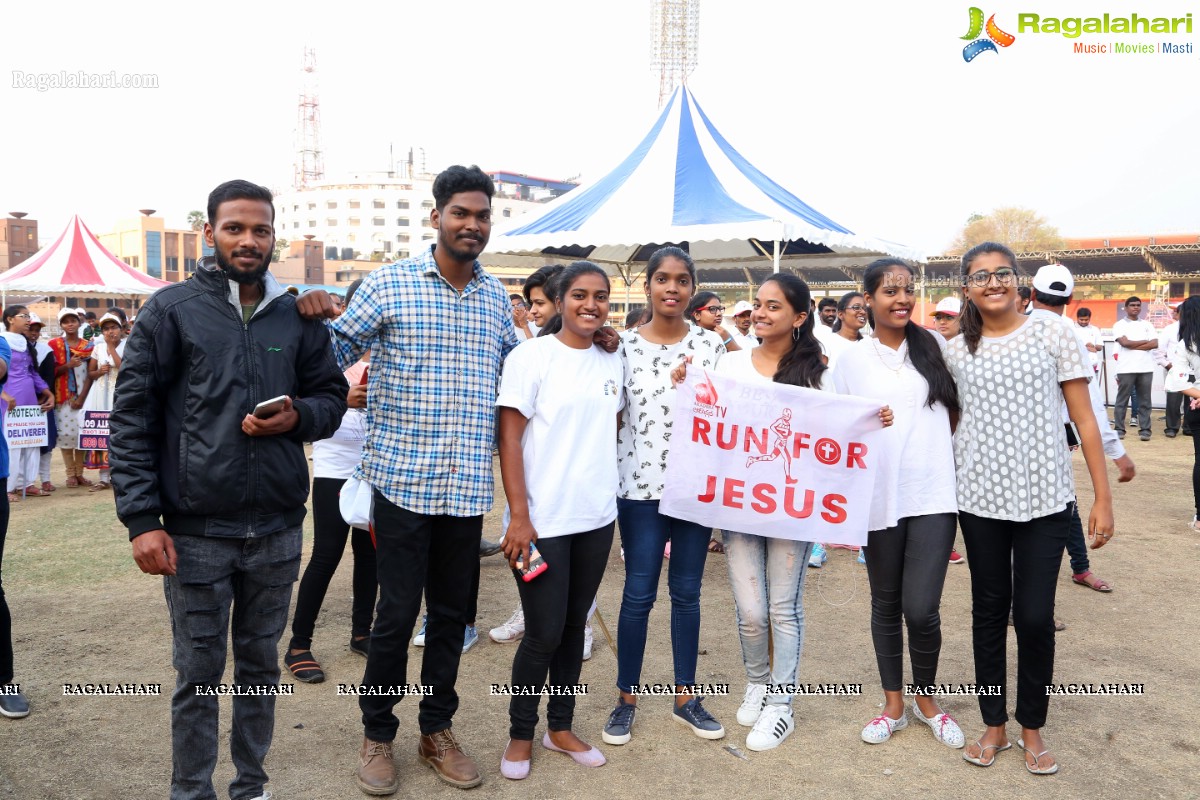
{"x": 512, "y": 630}
{"x": 944, "y": 728}
{"x": 752, "y": 704}
{"x": 817, "y": 558}
{"x": 880, "y": 729}
{"x": 587, "y": 642}
{"x": 774, "y": 724}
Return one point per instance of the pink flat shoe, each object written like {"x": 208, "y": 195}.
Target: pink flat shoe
{"x": 514, "y": 770}
{"x": 589, "y": 758}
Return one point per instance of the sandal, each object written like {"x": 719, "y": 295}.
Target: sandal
{"x": 304, "y": 666}
{"x": 1097, "y": 584}
{"x": 72, "y": 482}
{"x": 13, "y": 497}
{"x": 983, "y": 748}
{"x": 33, "y": 491}
{"x": 1037, "y": 758}
{"x": 714, "y": 546}
{"x": 100, "y": 486}
{"x": 85, "y": 481}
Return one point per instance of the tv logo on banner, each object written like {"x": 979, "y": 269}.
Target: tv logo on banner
{"x": 772, "y": 459}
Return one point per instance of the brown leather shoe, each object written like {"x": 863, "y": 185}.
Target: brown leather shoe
{"x": 376, "y": 772}
{"x": 441, "y": 751}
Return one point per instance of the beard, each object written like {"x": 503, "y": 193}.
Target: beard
{"x": 246, "y": 278}
{"x": 463, "y": 255}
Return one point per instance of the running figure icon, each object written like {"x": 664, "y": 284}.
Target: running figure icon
{"x": 782, "y": 428}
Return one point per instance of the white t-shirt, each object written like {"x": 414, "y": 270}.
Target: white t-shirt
{"x": 747, "y": 342}
{"x": 835, "y": 345}
{"x": 340, "y": 454}
{"x": 740, "y": 364}
{"x": 645, "y": 434}
{"x": 571, "y": 398}
{"x": 1091, "y": 335}
{"x": 916, "y": 474}
{"x": 1129, "y": 361}
{"x": 1010, "y": 396}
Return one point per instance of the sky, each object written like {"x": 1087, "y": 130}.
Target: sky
{"x": 865, "y": 110}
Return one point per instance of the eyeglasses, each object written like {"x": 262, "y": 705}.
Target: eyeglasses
{"x": 855, "y": 308}
{"x": 21, "y": 316}
{"x": 714, "y": 309}
{"x": 1005, "y": 276}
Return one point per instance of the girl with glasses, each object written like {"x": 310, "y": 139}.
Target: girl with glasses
{"x": 706, "y": 310}
{"x": 1013, "y": 373}
{"x": 25, "y": 387}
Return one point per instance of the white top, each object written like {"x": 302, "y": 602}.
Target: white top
{"x": 100, "y": 396}
{"x": 1091, "y": 335}
{"x": 834, "y": 345}
{"x": 1010, "y": 396}
{"x": 747, "y": 342}
{"x": 740, "y": 364}
{"x": 916, "y": 474}
{"x": 339, "y": 455}
{"x": 645, "y": 434}
{"x": 1134, "y": 360}
{"x": 571, "y": 398}
{"x": 1108, "y": 437}
{"x": 1166, "y": 338}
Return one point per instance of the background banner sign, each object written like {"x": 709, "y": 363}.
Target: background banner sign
{"x": 25, "y": 426}
{"x": 93, "y": 430}
{"x": 772, "y": 459}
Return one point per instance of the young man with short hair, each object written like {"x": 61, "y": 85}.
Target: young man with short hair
{"x": 1091, "y": 336}
{"x": 1135, "y": 367}
{"x": 742, "y": 334}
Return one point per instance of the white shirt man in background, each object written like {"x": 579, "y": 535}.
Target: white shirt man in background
{"x": 741, "y": 322}
{"x": 1091, "y": 336}
{"x": 1135, "y": 367}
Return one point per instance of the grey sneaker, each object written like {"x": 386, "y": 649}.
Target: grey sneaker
{"x": 696, "y": 717}
{"x": 12, "y": 703}
{"x": 620, "y": 721}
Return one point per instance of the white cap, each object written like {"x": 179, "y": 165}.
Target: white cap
{"x": 34, "y": 319}
{"x": 1054, "y": 279}
{"x": 68, "y": 312}
{"x": 109, "y": 318}
{"x": 948, "y": 305}
{"x": 79, "y": 312}
{"x": 741, "y": 307}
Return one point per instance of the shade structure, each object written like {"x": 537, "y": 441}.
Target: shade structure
{"x": 77, "y": 263}
{"x": 685, "y": 183}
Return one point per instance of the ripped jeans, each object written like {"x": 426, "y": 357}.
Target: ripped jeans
{"x": 253, "y": 577}
{"x": 767, "y": 577}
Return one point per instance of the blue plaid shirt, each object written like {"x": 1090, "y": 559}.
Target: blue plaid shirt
{"x": 436, "y": 355}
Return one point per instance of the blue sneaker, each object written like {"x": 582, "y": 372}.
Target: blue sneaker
{"x": 620, "y": 722}
{"x": 470, "y": 638}
{"x": 817, "y": 558}
{"x": 419, "y": 639}
{"x": 862, "y": 556}
{"x": 696, "y": 717}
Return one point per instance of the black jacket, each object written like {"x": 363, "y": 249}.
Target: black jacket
{"x": 191, "y": 373}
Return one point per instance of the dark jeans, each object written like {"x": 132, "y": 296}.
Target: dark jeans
{"x": 1014, "y": 565}
{"x": 1126, "y": 383}
{"x": 418, "y": 553}
{"x": 254, "y": 576}
{"x": 6, "y": 648}
{"x": 906, "y": 566}
{"x": 556, "y": 607}
{"x": 644, "y": 534}
{"x": 1175, "y": 412}
{"x": 1076, "y": 545}
{"x": 1191, "y": 419}
{"x": 329, "y": 542}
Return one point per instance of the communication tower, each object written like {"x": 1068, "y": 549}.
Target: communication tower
{"x": 310, "y": 164}
{"x": 674, "y": 43}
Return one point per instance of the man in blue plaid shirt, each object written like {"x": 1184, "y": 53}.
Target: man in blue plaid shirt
{"x": 438, "y": 328}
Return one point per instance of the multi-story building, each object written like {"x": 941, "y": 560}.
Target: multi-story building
{"x": 146, "y": 244}
{"x": 387, "y": 213}
{"x": 18, "y": 239}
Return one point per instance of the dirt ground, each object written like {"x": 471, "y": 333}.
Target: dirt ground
{"x": 82, "y": 612}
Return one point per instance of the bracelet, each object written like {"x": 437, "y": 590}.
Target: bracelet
{"x": 727, "y": 341}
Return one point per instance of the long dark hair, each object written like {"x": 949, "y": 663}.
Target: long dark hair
{"x": 923, "y": 349}
{"x": 1189, "y": 323}
{"x": 802, "y": 365}
{"x": 30, "y": 347}
{"x": 842, "y": 305}
{"x": 699, "y": 301}
{"x": 970, "y": 322}
{"x": 656, "y": 259}
{"x": 558, "y": 284}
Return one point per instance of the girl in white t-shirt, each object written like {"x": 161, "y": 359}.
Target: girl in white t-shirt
{"x": 649, "y": 353}
{"x": 1013, "y": 373}
{"x": 559, "y": 400}
{"x": 913, "y": 511}
{"x": 847, "y": 328}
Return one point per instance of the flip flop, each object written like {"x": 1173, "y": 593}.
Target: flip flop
{"x": 983, "y": 748}
{"x": 1037, "y": 757}
{"x": 1096, "y": 584}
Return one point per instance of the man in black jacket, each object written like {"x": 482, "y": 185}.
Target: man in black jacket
{"x": 213, "y": 495}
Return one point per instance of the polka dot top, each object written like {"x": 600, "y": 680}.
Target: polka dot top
{"x": 1010, "y": 448}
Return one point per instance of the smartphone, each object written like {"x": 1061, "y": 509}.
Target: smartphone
{"x": 269, "y": 408}
{"x": 537, "y": 564}
{"x": 1073, "y": 440}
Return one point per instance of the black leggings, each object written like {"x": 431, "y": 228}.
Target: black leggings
{"x": 329, "y": 542}
{"x": 6, "y": 648}
{"x": 556, "y": 604}
{"x": 1191, "y": 422}
{"x": 1014, "y": 565}
{"x": 906, "y": 566}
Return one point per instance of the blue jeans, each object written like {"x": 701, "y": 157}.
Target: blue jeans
{"x": 254, "y": 576}
{"x": 644, "y": 535}
{"x": 767, "y": 576}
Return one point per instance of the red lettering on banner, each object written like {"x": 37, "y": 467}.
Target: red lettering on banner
{"x": 834, "y": 513}
{"x": 854, "y": 454}
{"x": 722, "y": 442}
{"x": 710, "y": 490}
{"x": 700, "y": 429}
{"x": 764, "y": 498}
{"x": 789, "y": 503}
{"x": 733, "y": 493}
{"x": 755, "y": 441}
{"x": 799, "y": 442}
{"x": 828, "y": 451}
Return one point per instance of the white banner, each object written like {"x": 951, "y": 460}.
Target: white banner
{"x": 25, "y": 426}
{"x": 772, "y": 459}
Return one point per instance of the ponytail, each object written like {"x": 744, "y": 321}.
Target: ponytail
{"x": 970, "y": 326}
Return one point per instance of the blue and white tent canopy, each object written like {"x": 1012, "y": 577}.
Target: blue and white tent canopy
{"x": 684, "y": 183}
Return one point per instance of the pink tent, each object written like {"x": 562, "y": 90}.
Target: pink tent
{"x": 77, "y": 264}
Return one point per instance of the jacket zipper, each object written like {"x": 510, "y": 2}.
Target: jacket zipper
{"x": 252, "y": 447}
